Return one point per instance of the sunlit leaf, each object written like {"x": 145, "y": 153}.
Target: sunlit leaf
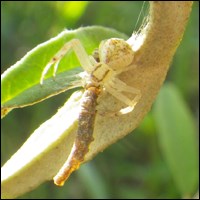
{"x": 20, "y": 83}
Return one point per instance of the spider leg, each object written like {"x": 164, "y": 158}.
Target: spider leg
{"x": 116, "y": 87}
{"x": 77, "y": 47}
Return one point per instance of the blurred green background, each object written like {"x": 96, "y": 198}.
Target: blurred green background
{"x": 134, "y": 167}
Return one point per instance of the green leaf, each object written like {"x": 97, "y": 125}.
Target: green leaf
{"x": 177, "y": 138}
{"x": 86, "y": 173}
{"x": 20, "y": 83}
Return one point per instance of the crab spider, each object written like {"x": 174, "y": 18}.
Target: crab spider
{"x": 115, "y": 55}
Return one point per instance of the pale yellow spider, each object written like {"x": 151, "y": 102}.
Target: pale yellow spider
{"x": 115, "y": 56}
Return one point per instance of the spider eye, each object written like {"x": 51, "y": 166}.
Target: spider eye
{"x": 95, "y": 55}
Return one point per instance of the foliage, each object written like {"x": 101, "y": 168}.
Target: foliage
{"x": 143, "y": 171}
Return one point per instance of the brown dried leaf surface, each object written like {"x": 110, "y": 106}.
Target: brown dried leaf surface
{"x": 162, "y": 37}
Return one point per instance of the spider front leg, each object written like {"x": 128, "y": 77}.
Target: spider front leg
{"x": 74, "y": 44}
{"x": 116, "y": 88}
